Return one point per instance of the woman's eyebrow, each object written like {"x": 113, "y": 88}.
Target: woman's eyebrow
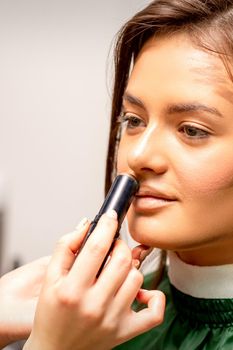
{"x": 175, "y": 107}
{"x": 133, "y": 100}
{"x": 191, "y": 107}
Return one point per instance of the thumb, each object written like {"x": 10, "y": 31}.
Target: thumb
{"x": 149, "y": 317}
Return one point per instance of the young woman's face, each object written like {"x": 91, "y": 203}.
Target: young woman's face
{"x": 177, "y": 140}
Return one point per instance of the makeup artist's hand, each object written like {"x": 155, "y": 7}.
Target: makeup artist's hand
{"x": 140, "y": 252}
{"x": 19, "y": 291}
{"x": 76, "y": 311}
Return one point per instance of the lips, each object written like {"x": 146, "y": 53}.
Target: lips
{"x": 152, "y": 199}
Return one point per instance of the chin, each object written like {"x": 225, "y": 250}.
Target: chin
{"x": 160, "y": 236}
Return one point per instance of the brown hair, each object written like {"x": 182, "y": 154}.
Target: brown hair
{"x": 208, "y": 23}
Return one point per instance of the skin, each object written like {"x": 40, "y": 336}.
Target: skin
{"x": 193, "y": 165}
{"x": 77, "y": 311}
{"x": 19, "y": 291}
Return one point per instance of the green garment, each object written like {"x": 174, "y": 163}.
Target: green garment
{"x": 190, "y": 323}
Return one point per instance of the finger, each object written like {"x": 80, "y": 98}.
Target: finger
{"x": 140, "y": 252}
{"x": 136, "y": 251}
{"x": 146, "y": 319}
{"x": 152, "y": 315}
{"x": 115, "y": 272}
{"x": 95, "y": 250}
{"x": 128, "y": 291}
{"x": 65, "y": 250}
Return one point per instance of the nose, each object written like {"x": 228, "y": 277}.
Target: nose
{"x": 149, "y": 153}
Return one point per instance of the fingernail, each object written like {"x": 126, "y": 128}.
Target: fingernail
{"x": 81, "y": 224}
{"x": 136, "y": 263}
{"x": 112, "y": 214}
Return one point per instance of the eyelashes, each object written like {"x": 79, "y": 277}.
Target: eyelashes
{"x": 188, "y": 130}
{"x": 130, "y": 121}
{"x": 193, "y": 132}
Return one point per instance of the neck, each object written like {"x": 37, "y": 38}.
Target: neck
{"x": 221, "y": 254}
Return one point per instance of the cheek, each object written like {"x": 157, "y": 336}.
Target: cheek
{"x": 206, "y": 175}
{"x": 122, "y": 164}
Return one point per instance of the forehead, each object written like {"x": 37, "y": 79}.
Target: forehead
{"x": 176, "y": 60}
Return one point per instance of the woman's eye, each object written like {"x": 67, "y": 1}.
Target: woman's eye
{"x": 131, "y": 121}
{"x": 193, "y": 132}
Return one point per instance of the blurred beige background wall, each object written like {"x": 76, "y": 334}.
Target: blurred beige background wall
{"x": 55, "y": 79}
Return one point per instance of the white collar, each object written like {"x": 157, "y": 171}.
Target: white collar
{"x": 201, "y": 281}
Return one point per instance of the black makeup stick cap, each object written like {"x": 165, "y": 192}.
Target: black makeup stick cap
{"x": 120, "y": 196}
